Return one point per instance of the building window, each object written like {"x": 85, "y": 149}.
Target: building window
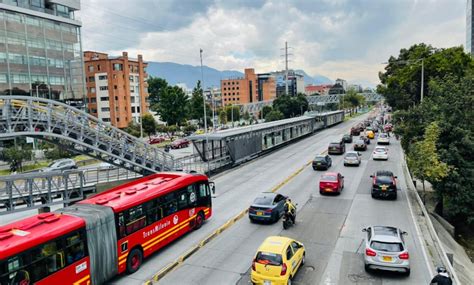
{"x": 104, "y": 99}
{"x": 98, "y": 67}
{"x": 105, "y": 109}
{"x": 105, "y": 119}
{"x": 102, "y": 77}
{"x": 91, "y": 79}
{"x": 133, "y": 109}
{"x": 92, "y": 90}
{"x": 118, "y": 66}
{"x": 91, "y": 68}
{"x": 132, "y": 99}
{"x": 103, "y": 88}
{"x": 93, "y": 100}
{"x": 115, "y": 86}
{"x": 130, "y": 78}
{"x": 132, "y": 89}
{"x": 116, "y": 98}
{"x": 138, "y": 109}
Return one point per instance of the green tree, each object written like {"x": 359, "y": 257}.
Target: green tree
{"x": 15, "y": 156}
{"x": 196, "y": 105}
{"x": 223, "y": 116}
{"x": 173, "y": 105}
{"x": 149, "y": 124}
{"x": 156, "y": 87}
{"x": 291, "y": 106}
{"x": 274, "y": 115}
{"x": 233, "y": 113}
{"x": 133, "y": 129}
{"x": 265, "y": 110}
{"x": 423, "y": 157}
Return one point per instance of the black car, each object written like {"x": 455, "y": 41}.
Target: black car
{"x": 384, "y": 185}
{"x": 267, "y": 207}
{"x": 347, "y": 138}
{"x": 365, "y": 139}
{"x": 336, "y": 148}
{"x": 355, "y": 131}
{"x": 360, "y": 145}
{"x": 322, "y": 162}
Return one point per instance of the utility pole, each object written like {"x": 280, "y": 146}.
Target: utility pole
{"x": 286, "y": 55}
{"x": 205, "y": 120}
{"x": 422, "y": 79}
{"x": 213, "y": 111}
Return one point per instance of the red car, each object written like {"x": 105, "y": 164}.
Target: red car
{"x": 331, "y": 182}
{"x": 156, "y": 140}
{"x": 180, "y": 143}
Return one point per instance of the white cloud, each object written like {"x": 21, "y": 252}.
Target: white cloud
{"x": 338, "y": 39}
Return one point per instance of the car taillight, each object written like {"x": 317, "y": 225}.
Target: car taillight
{"x": 253, "y": 265}
{"x": 283, "y": 269}
{"x": 251, "y": 209}
{"x": 370, "y": 252}
{"x": 404, "y": 255}
{"x": 268, "y": 211}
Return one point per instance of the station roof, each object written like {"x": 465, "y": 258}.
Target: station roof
{"x": 247, "y": 129}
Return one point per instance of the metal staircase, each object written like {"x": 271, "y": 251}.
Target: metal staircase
{"x": 82, "y": 133}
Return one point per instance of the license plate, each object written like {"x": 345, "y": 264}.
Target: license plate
{"x": 319, "y": 163}
{"x": 267, "y": 282}
{"x": 259, "y": 213}
{"x": 328, "y": 189}
{"x": 387, "y": 258}
{"x": 384, "y": 187}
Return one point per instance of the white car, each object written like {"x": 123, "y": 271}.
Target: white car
{"x": 380, "y": 152}
{"x": 385, "y": 249}
{"x": 383, "y": 139}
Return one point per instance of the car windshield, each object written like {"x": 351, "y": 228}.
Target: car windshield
{"x": 334, "y": 144}
{"x": 360, "y": 142}
{"x": 54, "y": 164}
{"x": 320, "y": 158}
{"x": 351, "y": 155}
{"x": 268, "y": 258}
{"x": 384, "y": 180}
{"x": 380, "y": 149}
{"x": 387, "y": 246}
{"x": 263, "y": 200}
{"x": 382, "y": 136}
{"x": 328, "y": 178}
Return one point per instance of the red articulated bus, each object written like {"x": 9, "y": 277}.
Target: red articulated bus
{"x": 108, "y": 234}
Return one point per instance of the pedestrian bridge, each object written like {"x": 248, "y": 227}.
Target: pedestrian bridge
{"x": 80, "y": 132}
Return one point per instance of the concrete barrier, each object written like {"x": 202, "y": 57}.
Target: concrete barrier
{"x": 446, "y": 225}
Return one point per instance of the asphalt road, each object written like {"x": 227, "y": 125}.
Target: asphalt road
{"x": 329, "y": 226}
{"x": 235, "y": 190}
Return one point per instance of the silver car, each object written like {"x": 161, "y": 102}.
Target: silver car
{"x": 352, "y": 158}
{"x": 385, "y": 249}
{"x": 60, "y": 165}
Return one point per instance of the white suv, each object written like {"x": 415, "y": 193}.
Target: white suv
{"x": 383, "y": 138}
{"x": 385, "y": 249}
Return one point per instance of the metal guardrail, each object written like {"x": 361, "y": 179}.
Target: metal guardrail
{"x": 34, "y": 190}
{"x": 80, "y": 132}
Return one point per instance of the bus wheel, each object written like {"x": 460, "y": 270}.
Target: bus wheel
{"x": 134, "y": 260}
{"x": 199, "y": 221}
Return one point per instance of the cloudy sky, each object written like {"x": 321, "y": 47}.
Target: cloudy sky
{"x": 336, "y": 38}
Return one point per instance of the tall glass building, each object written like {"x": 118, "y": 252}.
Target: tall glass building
{"x": 469, "y": 28}
{"x": 40, "y": 50}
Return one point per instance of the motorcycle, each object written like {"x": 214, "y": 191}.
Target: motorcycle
{"x": 287, "y": 220}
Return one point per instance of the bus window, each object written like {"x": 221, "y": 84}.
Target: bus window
{"x": 121, "y": 225}
{"x": 184, "y": 197}
{"x": 75, "y": 248}
{"x": 204, "y": 194}
{"x": 192, "y": 196}
{"x": 170, "y": 204}
{"x": 135, "y": 219}
{"x": 155, "y": 211}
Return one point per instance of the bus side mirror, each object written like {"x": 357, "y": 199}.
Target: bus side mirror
{"x": 213, "y": 187}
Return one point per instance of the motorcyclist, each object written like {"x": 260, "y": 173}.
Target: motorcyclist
{"x": 290, "y": 210}
{"x": 442, "y": 278}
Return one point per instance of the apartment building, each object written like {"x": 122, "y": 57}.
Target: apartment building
{"x": 116, "y": 87}
{"x": 249, "y": 89}
{"x": 295, "y": 82}
{"x": 40, "y": 50}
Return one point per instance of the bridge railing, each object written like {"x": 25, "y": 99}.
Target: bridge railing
{"x": 33, "y": 190}
{"x": 79, "y": 131}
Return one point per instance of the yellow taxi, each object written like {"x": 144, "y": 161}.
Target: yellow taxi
{"x": 370, "y": 134}
{"x": 277, "y": 260}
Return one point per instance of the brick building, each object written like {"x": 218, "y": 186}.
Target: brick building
{"x": 249, "y": 89}
{"x": 116, "y": 87}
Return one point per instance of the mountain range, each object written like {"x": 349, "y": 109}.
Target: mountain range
{"x": 186, "y": 74}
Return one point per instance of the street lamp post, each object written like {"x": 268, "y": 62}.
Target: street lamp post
{"x": 205, "y": 120}
{"x": 422, "y": 72}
